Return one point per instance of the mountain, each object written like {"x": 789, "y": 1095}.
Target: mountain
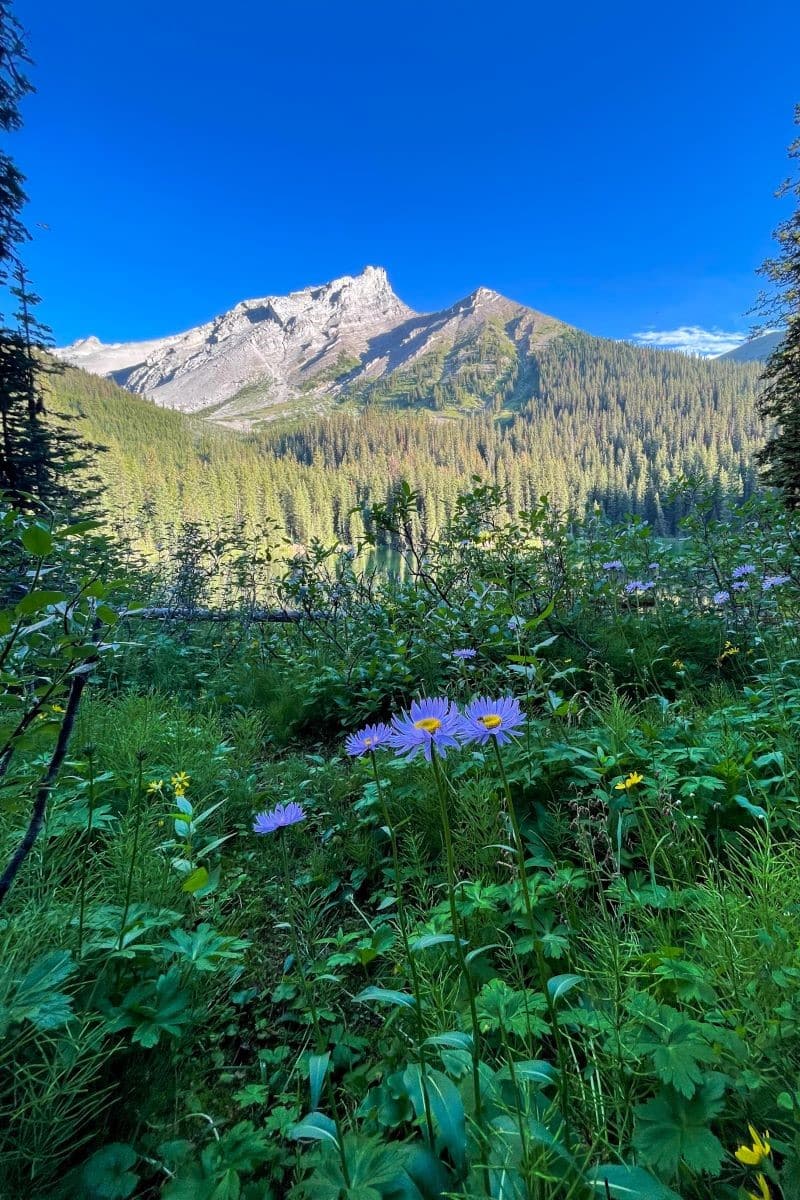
{"x": 297, "y": 354}
{"x": 757, "y": 349}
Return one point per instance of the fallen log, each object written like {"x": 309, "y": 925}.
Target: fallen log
{"x": 279, "y": 616}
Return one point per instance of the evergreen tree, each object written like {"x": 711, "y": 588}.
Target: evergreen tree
{"x": 36, "y": 452}
{"x": 780, "y": 400}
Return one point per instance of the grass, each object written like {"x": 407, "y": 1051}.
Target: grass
{"x": 191, "y": 1010}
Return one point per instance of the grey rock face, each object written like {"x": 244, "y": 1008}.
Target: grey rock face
{"x": 308, "y": 345}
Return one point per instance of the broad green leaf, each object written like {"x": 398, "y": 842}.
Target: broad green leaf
{"x": 672, "y": 1129}
{"x": 315, "y": 1127}
{"x": 532, "y": 1070}
{"x": 451, "y": 1041}
{"x": 433, "y": 939}
{"x": 35, "y": 997}
{"x": 108, "y": 1173}
{"x": 559, "y": 985}
{"x": 385, "y": 996}
{"x": 620, "y": 1182}
{"x": 317, "y": 1069}
{"x": 37, "y": 541}
{"x": 195, "y": 881}
{"x": 36, "y": 601}
{"x": 446, "y": 1108}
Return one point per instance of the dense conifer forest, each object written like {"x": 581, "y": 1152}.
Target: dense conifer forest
{"x": 587, "y": 421}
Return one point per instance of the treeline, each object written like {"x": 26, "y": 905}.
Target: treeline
{"x": 582, "y": 420}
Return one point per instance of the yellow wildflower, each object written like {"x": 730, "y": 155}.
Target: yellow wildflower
{"x": 57, "y": 708}
{"x": 678, "y": 664}
{"x": 180, "y": 782}
{"x": 625, "y": 785}
{"x": 763, "y": 1190}
{"x": 751, "y": 1156}
{"x": 728, "y": 652}
{"x": 155, "y": 785}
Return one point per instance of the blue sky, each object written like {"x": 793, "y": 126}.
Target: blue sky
{"x": 613, "y": 164}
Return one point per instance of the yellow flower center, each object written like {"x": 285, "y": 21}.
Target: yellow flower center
{"x": 429, "y": 724}
{"x": 368, "y": 741}
{"x": 491, "y": 721}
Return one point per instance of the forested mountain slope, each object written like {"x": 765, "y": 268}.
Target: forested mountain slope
{"x": 582, "y": 420}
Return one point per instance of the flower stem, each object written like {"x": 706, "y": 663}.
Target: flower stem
{"x": 544, "y": 977}
{"x": 459, "y": 948}
{"x": 312, "y": 1008}
{"x": 85, "y": 854}
{"x": 403, "y": 923}
{"x": 136, "y": 827}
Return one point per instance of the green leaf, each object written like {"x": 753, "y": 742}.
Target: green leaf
{"x": 755, "y": 810}
{"x": 36, "y": 601}
{"x": 501, "y": 1007}
{"x": 385, "y": 996}
{"x": 672, "y": 1129}
{"x": 35, "y": 997}
{"x": 532, "y": 1070}
{"x": 195, "y": 881}
{"x": 618, "y": 1181}
{"x": 433, "y": 939}
{"x": 559, "y": 985}
{"x": 446, "y": 1108}
{"x": 315, "y": 1127}
{"x": 37, "y": 541}
{"x": 107, "y": 1174}
{"x": 151, "y": 1009}
{"x": 677, "y": 1046}
{"x": 317, "y": 1069}
{"x": 451, "y": 1041}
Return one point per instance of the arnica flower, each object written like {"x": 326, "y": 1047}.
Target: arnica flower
{"x": 678, "y": 664}
{"x": 616, "y": 564}
{"x": 752, "y": 1156}
{"x": 744, "y": 569}
{"x": 180, "y": 782}
{"x": 772, "y": 581}
{"x": 371, "y": 737}
{"x": 485, "y": 718}
{"x": 638, "y": 585}
{"x": 155, "y": 785}
{"x": 721, "y": 597}
{"x": 625, "y": 785}
{"x": 763, "y": 1192}
{"x": 428, "y": 723}
{"x": 467, "y": 652}
{"x": 729, "y": 651}
{"x": 281, "y": 816}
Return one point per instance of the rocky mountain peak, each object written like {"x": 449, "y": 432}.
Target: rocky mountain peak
{"x": 289, "y": 353}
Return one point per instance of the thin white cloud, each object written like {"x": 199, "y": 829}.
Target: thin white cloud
{"x": 691, "y": 339}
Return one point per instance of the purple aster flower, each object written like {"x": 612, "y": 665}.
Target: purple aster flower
{"x": 721, "y": 597}
{"x": 465, "y": 653}
{"x": 745, "y": 569}
{"x": 428, "y": 723}
{"x": 771, "y": 581}
{"x": 638, "y": 585}
{"x": 615, "y": 565}
{"x": 281, "y": 816}
{"x": 654, "y": 566}
{"x": 515, "y": 623}
{"x": 740, "y": 585}
{"x": 485, "y": 718}
{"x": 371, "y": 737}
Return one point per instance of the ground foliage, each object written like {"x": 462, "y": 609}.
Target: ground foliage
{"x": 565, "y": 966}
